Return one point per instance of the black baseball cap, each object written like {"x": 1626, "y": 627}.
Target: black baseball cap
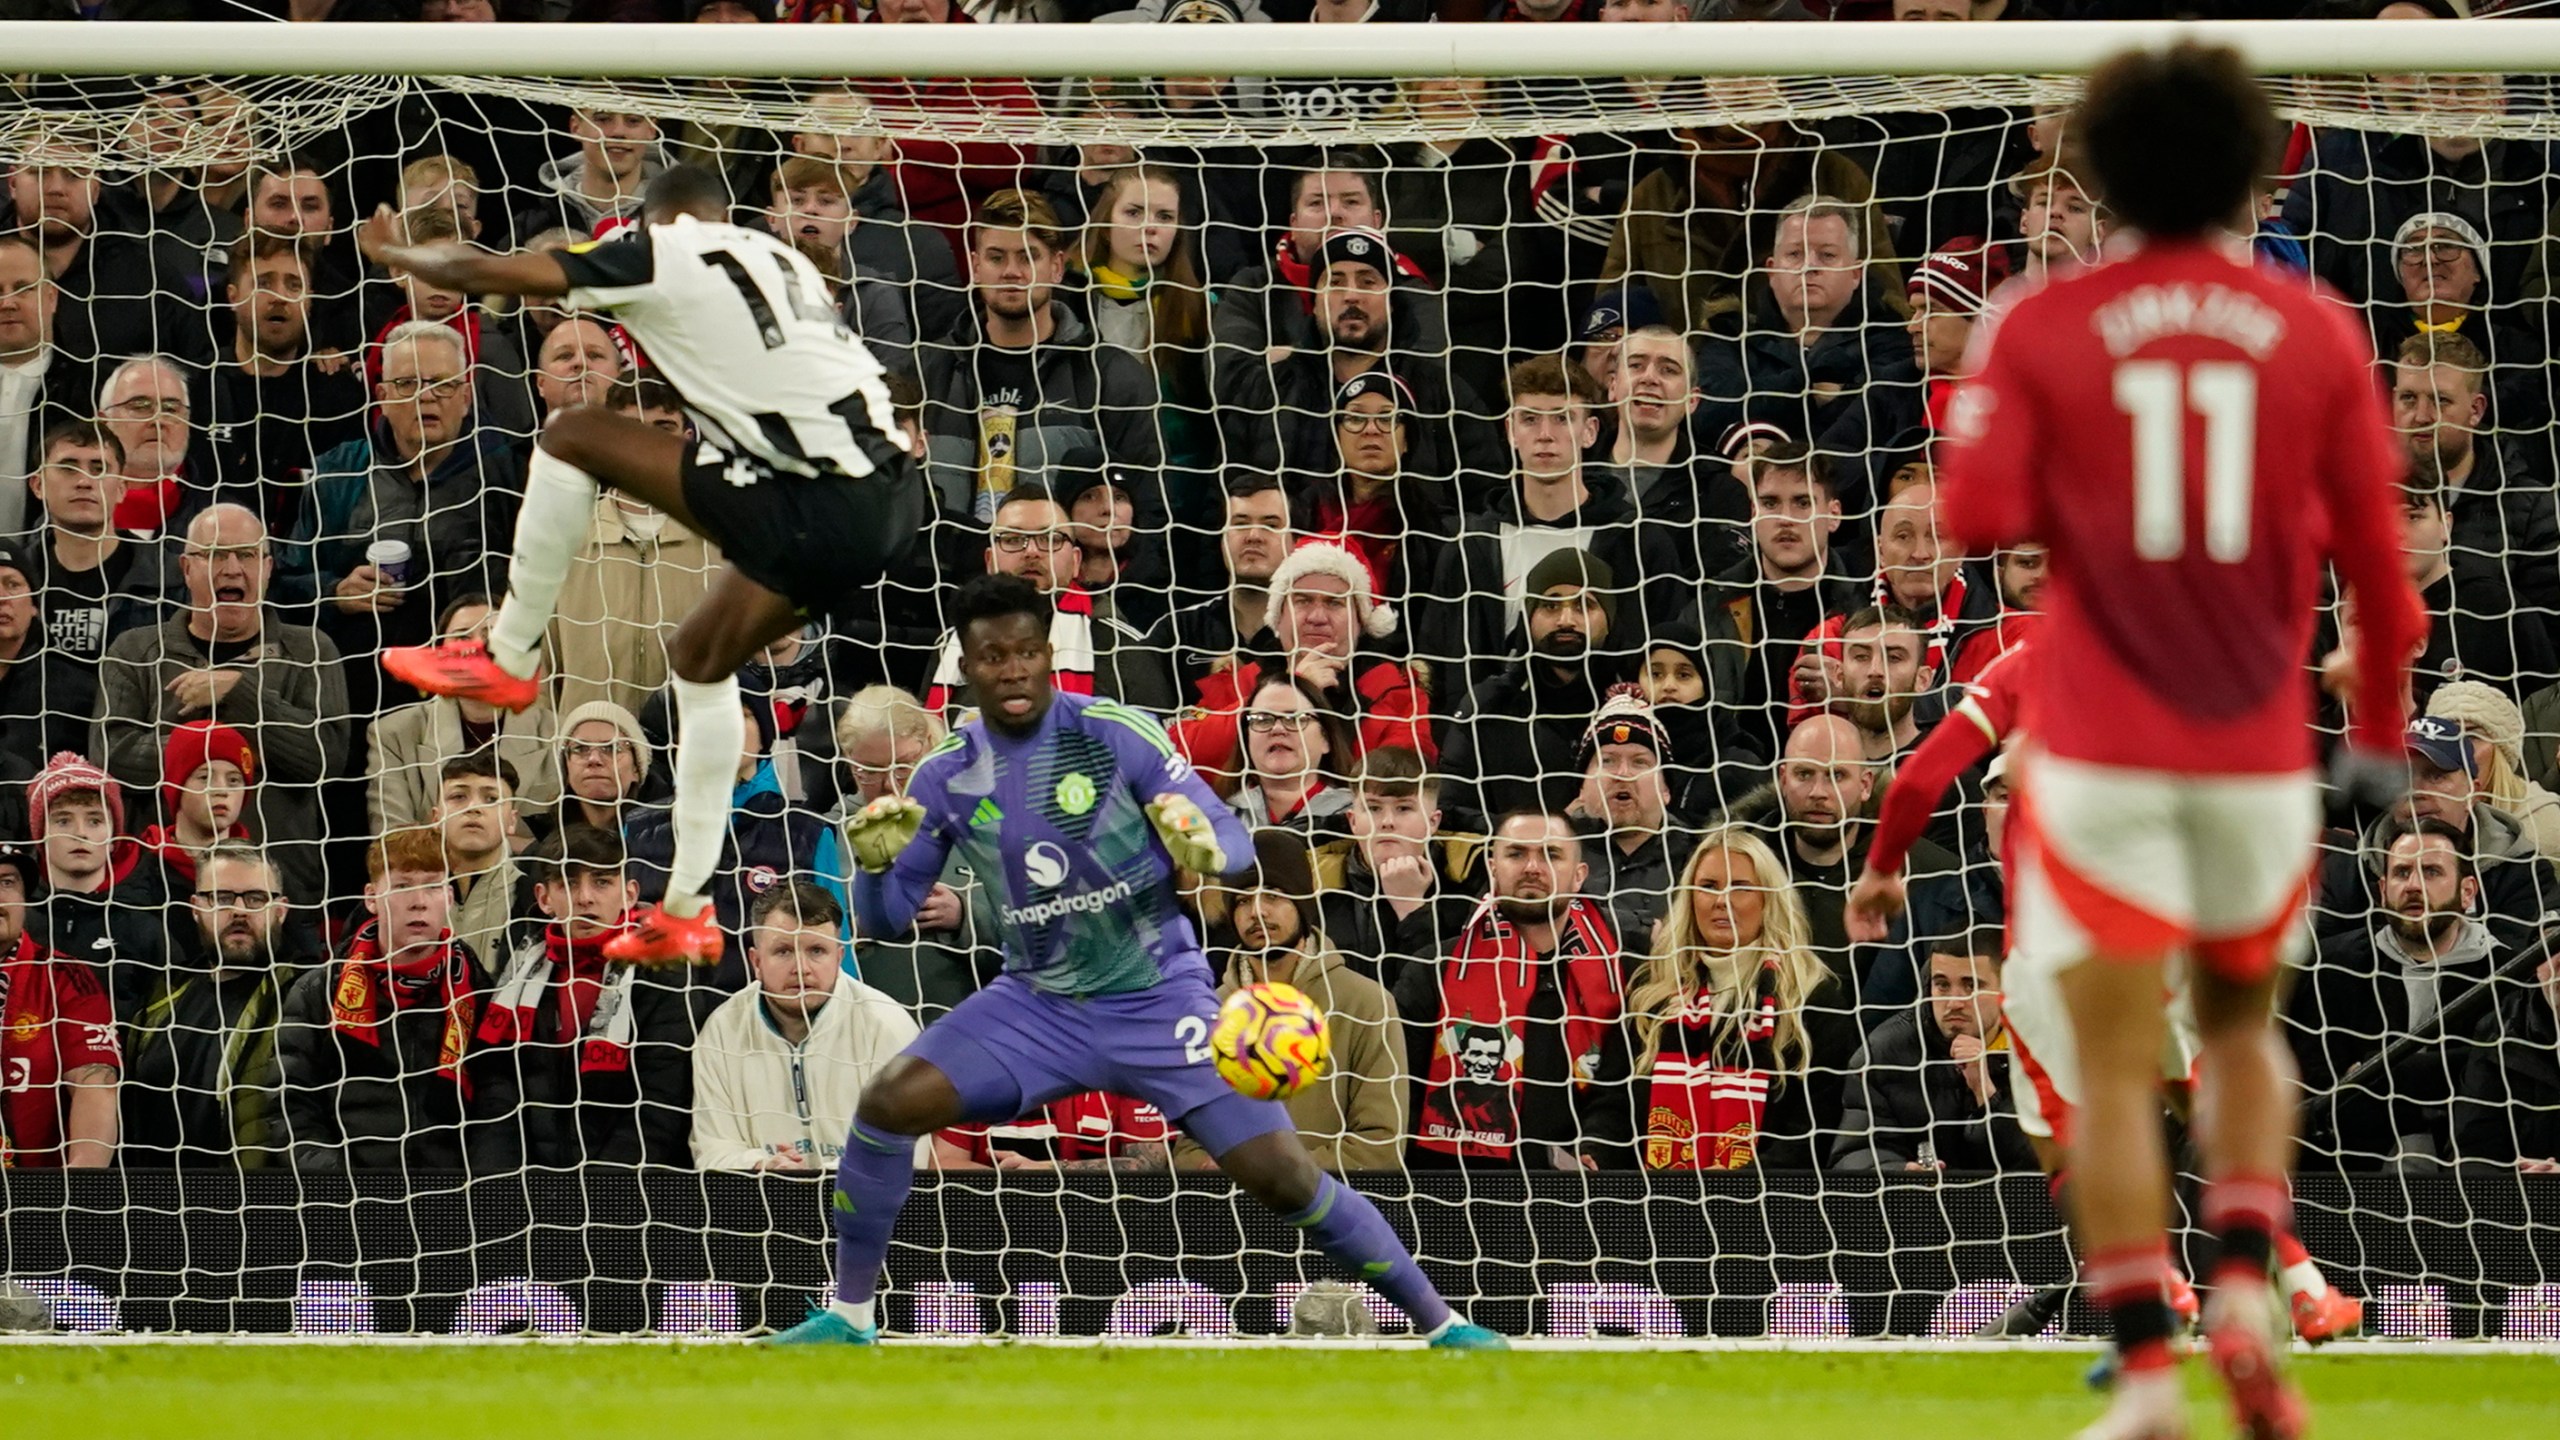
{"x": 22, "y": 858}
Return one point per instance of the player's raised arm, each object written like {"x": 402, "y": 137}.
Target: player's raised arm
{"x": 455, "y": 265}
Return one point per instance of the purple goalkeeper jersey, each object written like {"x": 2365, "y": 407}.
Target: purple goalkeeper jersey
{"x": 1056, "y": 825}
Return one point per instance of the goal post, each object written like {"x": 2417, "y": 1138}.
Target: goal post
{"x": 2273, "y": 47}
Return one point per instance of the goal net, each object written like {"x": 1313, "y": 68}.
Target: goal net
{"x": 1517, "y": 425}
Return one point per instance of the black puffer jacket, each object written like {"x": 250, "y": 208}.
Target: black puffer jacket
{"x": 1905, "y": 1092}
{"x": 349, "y": 1105}
{"x": 533, "y": 1103}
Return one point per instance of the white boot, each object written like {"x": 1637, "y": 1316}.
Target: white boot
{"x": 2149, "y": 1406}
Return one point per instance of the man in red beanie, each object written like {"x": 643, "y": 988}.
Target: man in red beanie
{"x": 101, "y": 905}
{"x": 1948, "y": 291}
{"x": 206, "y": 770}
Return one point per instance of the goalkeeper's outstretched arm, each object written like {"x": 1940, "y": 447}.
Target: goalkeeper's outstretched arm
{"x": 453, "y": 265}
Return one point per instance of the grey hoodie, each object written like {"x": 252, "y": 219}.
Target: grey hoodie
{"x": 570, "y": 205}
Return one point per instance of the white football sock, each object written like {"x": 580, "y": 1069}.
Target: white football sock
{"x": 857, "y": 1311}
{"x": 559, "y": 509}
{"x": 1436, "y": 1331}
{"x": 2303, "y": 1278}
{"x": 711, "y": 733}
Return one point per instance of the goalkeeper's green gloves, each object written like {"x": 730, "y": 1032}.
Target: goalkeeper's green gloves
{"x": 1187, "y": 834}
{"x": 883, "y": 828}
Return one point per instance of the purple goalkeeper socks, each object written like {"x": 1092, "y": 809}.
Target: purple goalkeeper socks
{"x": 1347, "y": 1227}
{"x": 872, "y": 1183}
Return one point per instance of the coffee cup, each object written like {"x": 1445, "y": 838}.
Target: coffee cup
{"x": 390, "y": 561}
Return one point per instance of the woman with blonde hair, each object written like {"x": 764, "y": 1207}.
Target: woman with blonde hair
{"x": 2495, "y": 728}
{"x": 1743, "y": 1037}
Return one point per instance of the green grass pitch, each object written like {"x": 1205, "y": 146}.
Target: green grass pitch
{"x": 557, "y": 1392}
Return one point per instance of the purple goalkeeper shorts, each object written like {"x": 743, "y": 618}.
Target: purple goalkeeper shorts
{"x": 1012, "y": 1048}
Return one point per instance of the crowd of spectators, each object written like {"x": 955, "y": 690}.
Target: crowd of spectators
{"x": 1534, "y": 538}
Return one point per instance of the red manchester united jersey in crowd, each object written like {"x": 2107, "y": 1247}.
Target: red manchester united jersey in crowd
{"x": 2194, "y": 437}
{"x": 54, "y": 1020}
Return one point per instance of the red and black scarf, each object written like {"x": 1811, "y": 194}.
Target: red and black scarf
{"x": 1486, "y": 988}
{"x": 1941, "y": 627}
{"x": 1709, "y": 1087}
{"x": 368, "y": 988}
{"x": 162, "y": 840}
{"x": 575, "y": 978}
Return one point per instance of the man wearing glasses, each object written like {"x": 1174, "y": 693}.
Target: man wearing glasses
{"x": 201, "y": 1087}
{"x": 1029, "y": 538}
{"x": 429, "y": 482}
{"x": 146, "y": 406}
{"x": 223, "y": 659}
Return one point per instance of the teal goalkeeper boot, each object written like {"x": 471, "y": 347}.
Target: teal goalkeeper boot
{"x": 824, "y": 1327}
{"x": 1462, "y": 1336}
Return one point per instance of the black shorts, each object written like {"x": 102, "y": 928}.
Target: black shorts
{"x": 811, "y": 539}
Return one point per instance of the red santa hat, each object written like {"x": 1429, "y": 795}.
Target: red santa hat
{"x": 1323, "y": 557}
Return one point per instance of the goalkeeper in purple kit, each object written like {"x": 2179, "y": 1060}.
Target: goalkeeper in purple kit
{"x": 1078, "y": 812}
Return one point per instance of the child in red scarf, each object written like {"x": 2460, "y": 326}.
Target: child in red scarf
{"x": 371, "y": 1045}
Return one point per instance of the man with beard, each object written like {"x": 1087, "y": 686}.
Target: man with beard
{"x": 120, "y": 293}
{"x": 2500, "y": 508}
{"x": 224, "y": 659}
{"x": 1254, "y": 539}
{"x": 1883, "y": 673}
{"x": 1553, "y": 504}
{"x": 1638, "y": 845}
{"x": 1931, "y": 1090}
{"x": 1276, "y": 399}
{"x": 1514, "y": 747}
{"x": 2443, "y": 788}
{"x": 1517, "y": 1037}
{"x": 1918, "y": 571}
{"x": 1783, "y": 588}
{"x": 2421, "y": 946}
{"x": 1354, "y": 1118}
{"x": 1819, "y": 810}
{"x": 275, "y": 405}
{"x": 1020, "y": 384}
{"x": 201, "y": 1085}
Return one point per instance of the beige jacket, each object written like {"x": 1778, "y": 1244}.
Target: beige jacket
{"x": 480, "y": 918}
{"x": 625, "y": 596}
{"x": 1355, "y": 1120}
{"x": 408, "y": 748}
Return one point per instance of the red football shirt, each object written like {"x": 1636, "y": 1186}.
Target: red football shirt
{"x": 54, "y": 1018}
{"x": 2194, "y": 438}
{"x": 1093, "y": 1125}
